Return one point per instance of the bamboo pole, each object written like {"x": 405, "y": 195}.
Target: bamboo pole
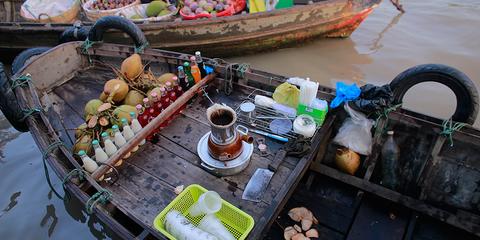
{"x": 152, "y": 126}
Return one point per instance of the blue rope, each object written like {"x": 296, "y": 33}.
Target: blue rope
{"x": 449, "y": 128}
{"x": 29, "y": 112}
{"x": 242, "y": 69}
{"x": 21, "y": 81}
{"x": 141, "y": 48}
{"x": 102, "y": 196}
{"x": 87, "y": 44}
{"x": 47, "y": 151}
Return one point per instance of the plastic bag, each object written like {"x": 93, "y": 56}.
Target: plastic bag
{"x": 355, "y": 132}
{"x": 47, "y": 8}
{"x": 374, "y": 98}
{"x": 345, "y": 93}
{"x": 287, "y": 94}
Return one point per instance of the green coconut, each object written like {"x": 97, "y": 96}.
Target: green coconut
{"x": 155, "y": 7}
{"x": 133, "y": 98}
{"x": 91, "y": 107}
{"x": 136, "y": 16}
{"x": 84, "y": 143}
{"x": 122, "y": 111}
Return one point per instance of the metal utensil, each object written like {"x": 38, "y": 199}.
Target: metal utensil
{"x": 258, "y": 183}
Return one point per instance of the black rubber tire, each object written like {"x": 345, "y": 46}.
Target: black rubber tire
{"x": 119, "y": 23}
{"x": 9, "y": 104}
{"x": 74, "y": 33}
{"x": 463, "y": 88}
{"x": 24, "y": 56}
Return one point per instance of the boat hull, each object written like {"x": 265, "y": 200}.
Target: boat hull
{"x": 234, "y": 35}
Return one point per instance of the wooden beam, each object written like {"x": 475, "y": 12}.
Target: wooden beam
{"x": 409, "y": 202}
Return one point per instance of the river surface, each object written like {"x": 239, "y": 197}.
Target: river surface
{"x": 432, "y": 31}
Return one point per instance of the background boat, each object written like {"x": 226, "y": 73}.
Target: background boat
{"x": 225, "y": 36}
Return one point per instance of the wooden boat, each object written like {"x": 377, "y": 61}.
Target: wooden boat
{"x": 440, "y": 182}
{"x": 234, "y": 35}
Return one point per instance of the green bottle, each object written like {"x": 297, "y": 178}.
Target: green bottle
{"x": 188, "y": 72}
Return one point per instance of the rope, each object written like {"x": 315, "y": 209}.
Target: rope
{"x": 385, "y": 113}
{"x": 242, "y": 69}
{"x": 21, "y": 81}
{"x": 101, "y": 196}
{"x": 74, "y": 173}
{"x": 87, "y": 44}
{"x": 29, "y": 112}
{"x": 141, "y": 48}
{"x": 47, "y": 151}
{"x": 449, "y": 128}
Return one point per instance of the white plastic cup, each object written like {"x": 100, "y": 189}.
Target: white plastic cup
{"x": 208, "y": 203}
{"x": 211, "y": 224}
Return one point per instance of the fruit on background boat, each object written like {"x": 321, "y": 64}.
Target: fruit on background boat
{"x": 155, "y": 7}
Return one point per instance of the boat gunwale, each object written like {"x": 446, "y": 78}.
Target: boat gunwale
{"x": 40, "y": 136}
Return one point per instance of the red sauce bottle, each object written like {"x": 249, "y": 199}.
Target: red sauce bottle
{"x": 142, "y": 116}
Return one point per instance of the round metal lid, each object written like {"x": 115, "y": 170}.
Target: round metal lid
{"x": 247, "y": 107}
{"x": 202, "y": 150}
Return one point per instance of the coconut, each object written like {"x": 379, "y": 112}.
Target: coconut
{"x": 133, "y": 98}
{"x": 166, "y": 77}
{"x": 91, "y": 107}
{"x": 347, "y": 160}
{"x": 80, "y": 130}
{"x": 132, "y": 67}
{"x": 84, "y": 143}
{"x": 118, "y": 88}
{"x": 103, "y": 97}
{"x": 122, "y": 111}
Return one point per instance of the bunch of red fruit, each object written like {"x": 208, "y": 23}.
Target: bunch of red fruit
{"x": 110, "y": 4}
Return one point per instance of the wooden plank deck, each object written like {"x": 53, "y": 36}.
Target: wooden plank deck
{"x": 148, "y": 177}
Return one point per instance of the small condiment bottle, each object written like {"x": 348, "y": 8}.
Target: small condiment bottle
{"x": 119, "y": 139}
{"x": 128, "y": 132}
{"x": 172, "y": 95}
{"x": 195, "y": 70}
{"x": 100, "y": 155}
{"x": 136, "y": 126}
{"x": 142, "y": 116}
{"x": 201, "y": 65}
{"x": 157, "y": 104}
{"x": 110, "y": 148}
{"x": 88, "y": 164}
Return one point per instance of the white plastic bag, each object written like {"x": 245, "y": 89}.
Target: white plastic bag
{"x": 355, "y": 132}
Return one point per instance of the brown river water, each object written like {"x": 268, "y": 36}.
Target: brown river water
{"x": 432, "y": 31}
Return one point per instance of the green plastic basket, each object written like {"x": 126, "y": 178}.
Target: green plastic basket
{"x": 235, "y": 220}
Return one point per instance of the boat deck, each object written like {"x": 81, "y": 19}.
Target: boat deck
{"x": 148, "y": 178}
{"x": 345, "y": 212}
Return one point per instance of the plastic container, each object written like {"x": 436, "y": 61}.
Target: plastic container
{"x": 318, "y": 110}
{"x": 235, "y": 220}
{"x": 208, "y": 203}
{"x": 308, "y": 92}
{"x": 304, "y": 125}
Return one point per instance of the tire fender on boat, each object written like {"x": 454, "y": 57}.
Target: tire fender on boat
{"x": 26, "y": 55}
{"x": 75, "y": 33}
{"x": 119, "y": 23}
{"x": 463, "y": 88}
{"x": 9, "y": 104}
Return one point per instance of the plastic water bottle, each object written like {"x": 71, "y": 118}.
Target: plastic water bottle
{"x": 136, "y": 126}
{"x": 100, "y": 155}
{"x": 390, "y": 156}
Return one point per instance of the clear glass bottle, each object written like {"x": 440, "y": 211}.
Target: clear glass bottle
{"x": 195, "y": 70}
{"x": 200, "y": 63}
{"x": 110, "y": 147}
{"x": 100, "y": 155}
{"x": 88, "y": 164}
{"x": 390, "y": 156}
{"x": 128, "y": 132}
{"x": 136, "y": 126}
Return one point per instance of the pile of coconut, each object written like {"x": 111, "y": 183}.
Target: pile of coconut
{"x": 306, "y": 219}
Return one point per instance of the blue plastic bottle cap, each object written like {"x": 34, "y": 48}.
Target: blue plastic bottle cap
{"x": 114, "y": 127}
{"x": 81, "y": 153}
{"x": 104, "y": 134}
{"x": 95, "y": 142}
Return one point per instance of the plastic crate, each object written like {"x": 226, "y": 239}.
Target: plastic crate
{"x": 235, "y": 220}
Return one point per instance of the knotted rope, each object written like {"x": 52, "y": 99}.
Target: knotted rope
{"x": 29, "y": 112}
{"x": 45, "y": 154}
{"x": 449, "y": 128}
{"x": 385, "y": 113}
{"x": 79, "y": 173}
{"x": 87, "y": 44}
{"x": 141, "y": 48}
{"x": 21, "y": 81}
{"x": 102, "y": 196}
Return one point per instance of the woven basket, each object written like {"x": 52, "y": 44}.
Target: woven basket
{"x": 94, "y": 15}
{"x": 140, "y": 10}
{"x": 68, "y": 16}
